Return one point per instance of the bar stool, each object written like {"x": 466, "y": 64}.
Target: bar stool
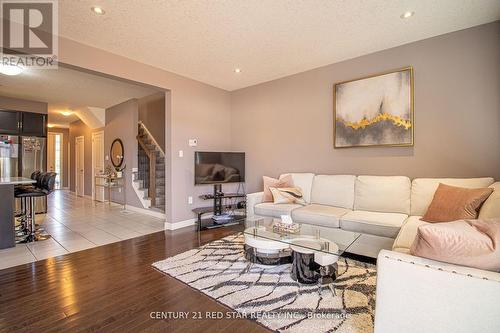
{"x": 22, "y": 230}
{"x": 34, "y": 175}
{"x": 47, "y": 184}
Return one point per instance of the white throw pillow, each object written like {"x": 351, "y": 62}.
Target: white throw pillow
{"x": 287, "y": 195}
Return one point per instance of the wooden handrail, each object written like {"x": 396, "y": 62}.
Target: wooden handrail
{"x": 152, "y": 138}
{"x": 152, "y": 170}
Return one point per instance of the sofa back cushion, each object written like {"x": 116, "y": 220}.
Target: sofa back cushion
{"x": 491, "y": 207}
{"x": 333, "y": 190}
{"x": 386, "y": 194}
{"x": 304, "y": 182}
{"x": 423, "y": 189}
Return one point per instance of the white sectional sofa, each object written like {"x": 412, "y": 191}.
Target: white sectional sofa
{"x": 385, "y": 207}
{"x": 413, "y": 294}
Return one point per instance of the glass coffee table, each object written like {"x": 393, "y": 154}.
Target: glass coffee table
{"x": 312, "y": 250}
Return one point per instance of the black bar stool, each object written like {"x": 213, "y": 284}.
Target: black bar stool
{"x": 45, "y": 186}
{"x": 21, "y": 216}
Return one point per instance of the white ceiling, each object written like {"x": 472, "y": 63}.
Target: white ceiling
{"x": 268, "y": 39}
{"x": 68, "y": 89}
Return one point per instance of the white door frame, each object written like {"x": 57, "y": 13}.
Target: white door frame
{"x": 62, "y": 174}
{"x": 77, "y": 189}
{"x": 50, "y": 148}
{"x": 69, "y": 165}
{"x": 94, "y": 134}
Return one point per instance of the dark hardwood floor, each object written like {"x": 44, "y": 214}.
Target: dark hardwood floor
{"x": 111, "y": 288}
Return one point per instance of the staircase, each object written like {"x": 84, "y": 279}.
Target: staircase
{"x": 149, "y": 178}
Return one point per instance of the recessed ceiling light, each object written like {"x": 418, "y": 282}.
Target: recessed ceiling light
{"x": 406, "y": 15}
{"x": 11, "y": 69}
{"x": 98, "y": 10}
{"x": 66, "y": 113}
{"x": 237, "y": 70}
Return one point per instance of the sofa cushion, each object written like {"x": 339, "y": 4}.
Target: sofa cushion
{"x": 304, "y": 182}
{"x": 374, "y": 223}
{"x": 491, "y": 207}
{"x": 274, "y": 210}
{"x": 473, "y": 243}
{"x": 422, "y": 190}
{"x": 333, "y": 190}
{"x": 385, "y": 194}
{"x": 407, "y": 234}
{"x": 323, "y": 215}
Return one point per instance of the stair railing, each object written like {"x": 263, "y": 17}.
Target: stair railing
{"x": 151, "y": 137}
{"x": 151, "y": 155}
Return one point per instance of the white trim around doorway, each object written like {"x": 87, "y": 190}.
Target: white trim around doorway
{"x": 78, "y": 191}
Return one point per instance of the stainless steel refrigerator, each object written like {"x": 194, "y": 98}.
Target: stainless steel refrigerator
{"x": 20, "y": 156}
{"x": 9, "y": 156}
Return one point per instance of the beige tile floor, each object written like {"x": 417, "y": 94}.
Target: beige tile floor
{"x": 77, "y": 224}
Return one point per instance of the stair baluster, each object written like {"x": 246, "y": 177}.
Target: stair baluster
{"x": 151, "y": 167}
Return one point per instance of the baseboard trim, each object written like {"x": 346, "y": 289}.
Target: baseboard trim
{"x": 145, "y": 211}
{"x": 179, "y": 225}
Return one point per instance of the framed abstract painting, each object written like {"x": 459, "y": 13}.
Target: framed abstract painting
{"x": 374, "y": 111}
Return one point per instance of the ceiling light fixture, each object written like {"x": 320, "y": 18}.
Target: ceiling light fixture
{"x": 66, "y": 113}
{"x": 237, "y": 70}
{"x": 406, "y": 15}
{"x": 10, "y": 69}
{"x": 98, "y": 10}
{"x": 50, "y": 125}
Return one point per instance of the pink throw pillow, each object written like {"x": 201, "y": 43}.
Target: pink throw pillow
{"x": 473, "y": 243}
{"x": 283, "y": 181}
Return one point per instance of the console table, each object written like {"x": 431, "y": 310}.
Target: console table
{"x": 110, "y": 183}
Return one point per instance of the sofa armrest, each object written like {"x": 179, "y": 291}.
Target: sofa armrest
{"x": 420, "y": 295}
{"x": 252, "y": 200}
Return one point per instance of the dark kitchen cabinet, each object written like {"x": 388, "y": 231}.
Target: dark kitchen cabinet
{"x": 10, "y": 122}
{"x": 23, "y": 123}
{"x": 34, "y": 124}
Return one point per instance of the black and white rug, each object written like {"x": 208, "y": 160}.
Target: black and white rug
{"x": 268, "y": 295}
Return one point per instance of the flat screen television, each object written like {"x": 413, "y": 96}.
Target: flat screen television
{"x": 218, "y": 167}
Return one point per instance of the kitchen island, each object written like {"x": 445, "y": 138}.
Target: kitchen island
{"x": 7, "y": 205}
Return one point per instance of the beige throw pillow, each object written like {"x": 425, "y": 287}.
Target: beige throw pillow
{"x": 451, "y": 203}
{"x": 491, "y": 207}
{"x": 287, "y": 195}
{"x": 473, "y": 243}
{"x": 283, "y": 181}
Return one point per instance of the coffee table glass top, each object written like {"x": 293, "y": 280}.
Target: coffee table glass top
{"x": 309, "y": 238}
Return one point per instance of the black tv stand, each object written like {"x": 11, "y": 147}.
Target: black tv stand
{"x": 218, "y": 195}
{"x": 219, "y": 207}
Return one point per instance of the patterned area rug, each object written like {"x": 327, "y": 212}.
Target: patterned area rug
{"x": 268, "y": 295}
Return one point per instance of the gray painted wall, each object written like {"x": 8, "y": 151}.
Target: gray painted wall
{"x": 23, "y": 105}
{"x": 121, "y": 123}
{"x": 287, "y": 124}
{"x": 193, "y": 110}
{"x": 152, "y": 114}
